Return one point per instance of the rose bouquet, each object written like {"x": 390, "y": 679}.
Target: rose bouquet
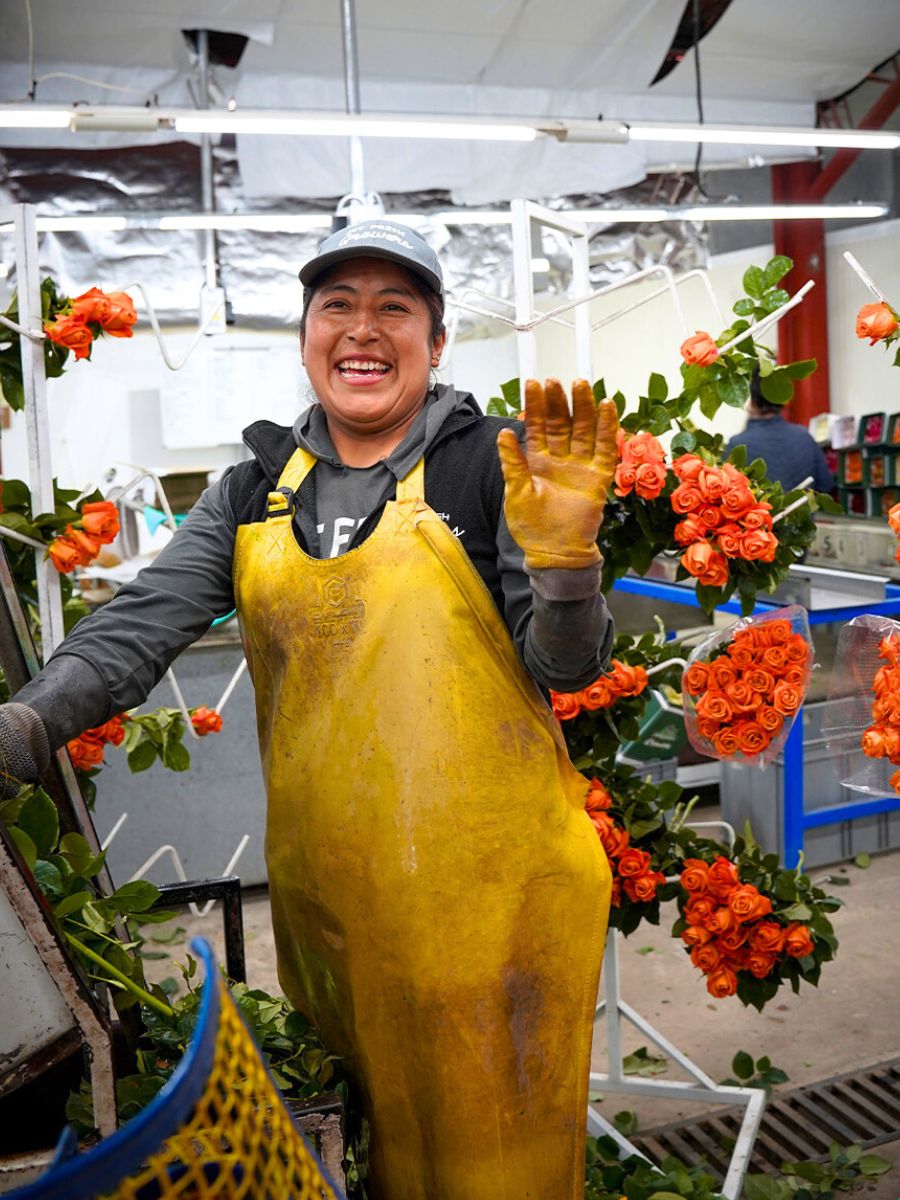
{"x": 632, "y": 871}
{"x": 882, "y": 738}
{"x": 619, "y": 680}
{"x": 87, "y": 750}
{"x": 744, "y": 686}
{"x": 749, "y": 926}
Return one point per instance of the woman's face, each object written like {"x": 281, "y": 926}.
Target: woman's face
{"x": 368, "y": 348}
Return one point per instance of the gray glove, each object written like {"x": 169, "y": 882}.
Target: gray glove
{"x": 24, "y": 748}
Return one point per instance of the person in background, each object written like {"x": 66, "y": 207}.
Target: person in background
{"x": 790, "y": 453}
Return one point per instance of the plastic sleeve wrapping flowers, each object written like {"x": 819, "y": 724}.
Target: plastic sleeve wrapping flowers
{"x": 744, "y": 685}
{"x": 862, "y": 724}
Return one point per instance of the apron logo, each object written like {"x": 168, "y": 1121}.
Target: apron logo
{"x": 339, "y": 618}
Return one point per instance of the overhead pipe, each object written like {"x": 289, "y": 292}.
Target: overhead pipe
{"x": 210, "y": 267}
{"x": 351, "y": 90}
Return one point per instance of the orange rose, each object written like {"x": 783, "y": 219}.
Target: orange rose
{"x": 565, "y": 705}
{"x": 795, "y": 676}
{"x": 111, "y": 731}
{"x": 722, "y": 982}
{"x": 889, "y": 648}
{"x": 642, "y": 448}
{"x": 747, "y": 903}
{"x": 598, "y": 695}
{"x": 613, "y": 838}
{"x": 100, "y": 520}
{"x": 712, "y": 483}
{"x": 786, "y": 699}
{"x": 64, "y": 554}
{"x": 699, "y": 909}
{"x": 121, "y": 315}
{"x": 716, "y": 574}
{"x": 709, "y": 515}
{"x": 91, "y": 306}
{"x": 728, "y": 539}
{"x": 741, "y": 654}
{"x": 707, "y": 728}
{"x": 758, "y": 545}
{"x": 775, "y": 658}
{"x": 742, "y": 697}
{"x": 893, "y": 517}
{"x": 891, "y": 743}
{"x": 779, "y": 631}
{"x": 701, "y": 350}
{"x": 883, "y": 681}
{"x": 873, "y": 321}
{"x": 737, "y": 501}
{"x": 615, "y": 898}
{"x": 706, "y": 957}
{"x": 758, "y": 518}
{"x": 693, "y": 875}
{"x": 873, "y": 742}
{"x": 752, "y": 738}
{"x": 624, "y": 479}
{"x": 722, "y": 672}
{"x": 88, "y": 547}
{"x": 797, "y": 940}
{"x": 71, "y": 332}
{"x": 767, "y": 937}
{"x": 895, "y": 781}
{"x": 86, "y": 753}
{"x": 691, "y": 529}
{"x": 797, "y": 649}
{"x": 685, "y": 498}
{"x": 723, "y": 877}
{"x": 697, "y": 558}
{"x": 696, "y": 678}
{"x": 696, "y": 935}
{"x": 726, "y": 743}
{"x": 633, "y": 862}
{"x": 689, "y": 466}
{"x": 598, "y": 798}
{"x": 626, "y": 679}
{"x": 714, "y": 706}
{"x": 760, "y": 680}
{"x": 721, "y": 920}
{"x": 205, "y": 720}
{"x": 650, "y": 480}
{"x": 771, "y": 720}
{"x": 642, "y": 888}
{"x": 729, "y": 943}
{"x": 760, "y": 964}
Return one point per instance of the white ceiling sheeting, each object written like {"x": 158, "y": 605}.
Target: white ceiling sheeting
{"x": 765, "y": 62}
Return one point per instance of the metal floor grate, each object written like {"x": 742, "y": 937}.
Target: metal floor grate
{"x": 860, "y": 1106}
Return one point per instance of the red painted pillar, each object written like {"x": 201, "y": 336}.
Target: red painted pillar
{"x": 804, "y": 332}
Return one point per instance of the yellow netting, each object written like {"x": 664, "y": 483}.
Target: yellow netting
{"x": 240, "y": 1142}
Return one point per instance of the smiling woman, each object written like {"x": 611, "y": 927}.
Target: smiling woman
{"x": 368, "y": 346}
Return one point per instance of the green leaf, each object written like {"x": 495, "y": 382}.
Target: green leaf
{"x": 684, "y": 443}
{"x": 142, "y": 756}
{"x": 620, "y": 403}
{"x": 24, "y": 845}
{"x": 134, "y": 897}
{"x": 796, "y": 912}
{"x": 777, "y": 388}
{"x": 48, "y": 879}
{"x": 774, "y": 299}
{"x": 754, "y": 282}
{"x": 873, "y": 1164}
{"x": 40, "y": 820}
{"x": 176, "y": 756}
{"x": 657, "y": 388}
{"x": 599, "y": 390}
{"x": 497, "y": 407}
{"x": 659, "y": 421}
{"x": 800, "y": 369}
{"x": 71, "y": 904}
{"x": 742, "y": 1065}
{"x": 512, "y": 394}
{"x": 863, "y": 860}
{"x": 829, "y": 505}
{"x": 77, "y": 851}
{"x": 734, "y": 389}
{"x": 776, "y": 269}
{"x": 709, "y": 400}
{"x": 744, "y": 308}
{"x": 643, "y": 1063}
{"x": 738, "y": 456}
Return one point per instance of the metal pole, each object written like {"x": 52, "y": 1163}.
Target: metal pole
{"x": 206, "y": 164}
{"x": 351, "y": 90}
{"x": 523, "y": 289}
{"x": 37, "y": 425}
{"x": 581, "y": 285}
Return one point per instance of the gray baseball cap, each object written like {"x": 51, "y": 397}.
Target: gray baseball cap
{"x": 377, "y": 239}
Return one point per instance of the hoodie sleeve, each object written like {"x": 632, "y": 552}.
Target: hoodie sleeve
{"x": 113, "y": 659}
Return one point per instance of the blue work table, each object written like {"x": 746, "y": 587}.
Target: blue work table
{"x": 796, "y": 819}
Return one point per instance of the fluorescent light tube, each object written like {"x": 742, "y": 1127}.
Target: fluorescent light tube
{"x": 353, "y": 126}
{"x": 267, "y": 222}
{"x": 781, "y": 212}
{"x": 763, "y": 135}
{"x": 31, "y": 117}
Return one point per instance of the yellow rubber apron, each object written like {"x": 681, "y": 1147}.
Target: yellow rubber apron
{"x": 438, "y": 893}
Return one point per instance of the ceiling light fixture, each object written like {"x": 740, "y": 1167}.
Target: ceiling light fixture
{"x": 85, "y": 118}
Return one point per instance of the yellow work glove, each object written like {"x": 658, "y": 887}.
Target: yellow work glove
{"x": 556, "y": 491}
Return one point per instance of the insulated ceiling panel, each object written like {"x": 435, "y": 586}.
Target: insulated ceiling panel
{"x": 794, "y": 50}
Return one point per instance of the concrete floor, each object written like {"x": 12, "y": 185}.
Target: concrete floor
{"x": 852, "y": 1020}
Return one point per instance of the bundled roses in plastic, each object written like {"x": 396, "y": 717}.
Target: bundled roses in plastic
{"x": 744, "y": 686}
{"x": 894, "y": 522}
{"x": 620, "y": 680}
{"x": 882, "y": 738}
{"x": 729, "y": 927}
{"x": 81, "y": 542}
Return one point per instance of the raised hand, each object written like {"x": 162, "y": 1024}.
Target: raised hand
{"x": 556, "y": 490}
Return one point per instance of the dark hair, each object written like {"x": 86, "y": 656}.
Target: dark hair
{"x": 434, "y": 301}
{"x": 763, "y": 406}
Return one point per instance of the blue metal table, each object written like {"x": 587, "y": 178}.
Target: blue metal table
{"x": 796, "y": 819}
